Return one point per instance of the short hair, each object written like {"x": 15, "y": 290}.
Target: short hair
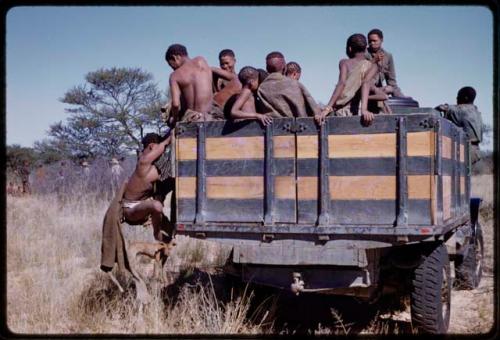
{"x": 262, "y": 75}
{"x": 175, "y": 49}
{"x": 357, "y": 43}
{"x": 275, "y": 62}
{"x": 225, "y": 53}
{"x": 150, "y": 138}
{"x": 246, "y": 74}
{"x": 466, "y": 95}
{"x": 377, "y": 32}
{"x": 293, "y": 67}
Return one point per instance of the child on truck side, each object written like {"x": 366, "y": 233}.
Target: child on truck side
{"x": 293, "y": 70}
{"x": 244, "y": 106}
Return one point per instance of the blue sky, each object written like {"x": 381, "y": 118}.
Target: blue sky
{"x": 437, "y": 49}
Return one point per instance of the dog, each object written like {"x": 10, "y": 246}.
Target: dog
{"x": 157, "y": 251}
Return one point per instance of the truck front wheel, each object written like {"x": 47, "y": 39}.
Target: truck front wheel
{"x": 431, "y": 292}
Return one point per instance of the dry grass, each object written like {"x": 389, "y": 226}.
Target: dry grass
{"x": 54, "y": 284}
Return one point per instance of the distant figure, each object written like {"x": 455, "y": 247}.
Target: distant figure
{"x": 60, "y": 180}
{"x": 293, "y": 70}
{"x": 116, "y": 174}
{"x": 85, "y": 170}
{"x": 466, "y": 115}
{"x": 282, "y": 96}
{"x": 138, "y": 203}
{"x": 353, "y": 86}
{"x": 385, "y": 63}
{"x": 11, "y": 189}
{"x": 244, "y": 107}
{"x": 190, "y": 88}
{"x": 24, "y": 172}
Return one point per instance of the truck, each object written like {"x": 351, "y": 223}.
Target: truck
{"x": 339, "y": 208}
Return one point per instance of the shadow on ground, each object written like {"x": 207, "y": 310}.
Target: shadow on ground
{"x": 302, "y": 314}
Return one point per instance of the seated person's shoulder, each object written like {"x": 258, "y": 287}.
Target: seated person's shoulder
{"x": 200, "y": 61}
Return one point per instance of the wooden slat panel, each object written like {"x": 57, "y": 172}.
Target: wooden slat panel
{"x": 362, "y": 187}
{"x": 446, "y": 145}
{"x": 307, "y": 146}
{"x": 419, "y": 187}
{"x": 186, "y": 149}
{"x": 420, "y": 143}
{"x": 186, "y": 187}
{"x": 462, "y": 153}
{"x": 446, "y": 197}
{"x": 307, "y": 188}
{"x": 235, "y": 148}
{"x": 284, "y": 146}
{"x": 245, "y": 187}
{"x": 284, "y": 187}
{"x": 367, "y": 145}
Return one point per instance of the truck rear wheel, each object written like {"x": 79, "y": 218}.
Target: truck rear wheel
{"x": 431, "y": 293}
{"x": 469, "y": 269}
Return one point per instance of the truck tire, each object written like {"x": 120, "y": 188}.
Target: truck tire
{"x": 431, "y": 292}
{"x": 469, "y": 269}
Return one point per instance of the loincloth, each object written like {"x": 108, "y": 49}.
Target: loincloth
{"x": 130, "y": 203}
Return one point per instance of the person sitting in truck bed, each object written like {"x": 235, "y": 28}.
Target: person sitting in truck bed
{"x": 244, "y": 107}
{"x": 190, "y": 88}
{"x": 282, "y": 96}
{"x": 227, "y": 62}
{"x": 139, "y": 201}
{"x": 353, "y": 87}
{"x": 466, "y": 115}
{"x": 385, "y": 63}
{"x": 293, "y": 70}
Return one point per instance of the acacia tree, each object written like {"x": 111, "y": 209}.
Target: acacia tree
{"x": 109, "y": 114}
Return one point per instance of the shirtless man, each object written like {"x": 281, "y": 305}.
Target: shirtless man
{"x": 137, "y": 201}
{"x": 356, "y": 73}
{"x": 244, "y": 107}
{"x": 226, "y": 85}
{"x": 293, "y": 70}
{"x": 190, "y": 87}
{"x": 227, "y": 62}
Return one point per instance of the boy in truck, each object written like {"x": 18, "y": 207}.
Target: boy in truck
{"x": 466, "y": 115}
{"x": 244, "y": 106}
{"x": 293, "y": 70}
{"x": 353, "y": 87}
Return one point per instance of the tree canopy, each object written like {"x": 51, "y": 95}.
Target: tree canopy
{"x": 109, "y": 115}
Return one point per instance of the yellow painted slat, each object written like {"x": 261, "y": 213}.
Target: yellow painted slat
{"x": 284, "y": 187}
{"x": 446, "y": 147}
{"x": 284, "y": 146}
{"x": 357, "y": 146}
{"x": 186, "y": 149}
{"x": 244, "y": 187}
{"x": 186, "y": 187}
{"x": 235, "y": 148}
{"x": 420, "y": 143}
{"x": 362, "y": 187}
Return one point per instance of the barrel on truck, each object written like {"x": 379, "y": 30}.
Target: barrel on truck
{"x": 340, "y": 208}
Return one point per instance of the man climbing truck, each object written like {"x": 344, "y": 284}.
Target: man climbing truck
{"x": 338, "y": 208}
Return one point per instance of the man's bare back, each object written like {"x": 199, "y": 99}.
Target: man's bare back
{"x": 191, "y": 85}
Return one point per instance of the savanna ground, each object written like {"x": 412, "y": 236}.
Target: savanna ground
{"x": 54, "y": 284}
